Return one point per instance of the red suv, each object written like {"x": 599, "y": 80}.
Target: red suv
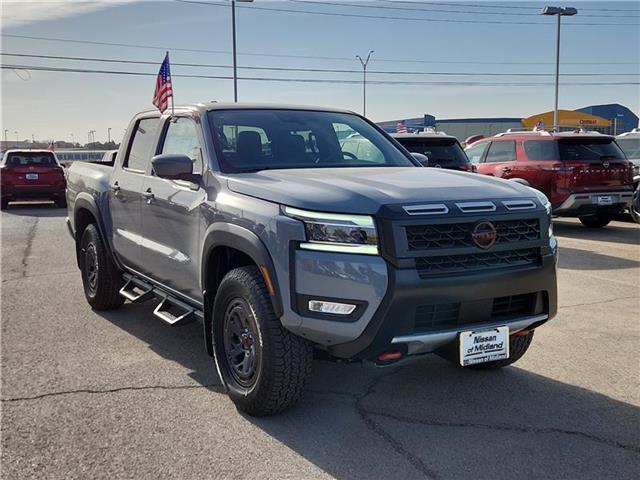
{"x": 584, "y": 175}
{"x": 32, "y": 174}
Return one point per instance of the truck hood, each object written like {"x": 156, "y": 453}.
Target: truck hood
{"x": 365, "y": 190}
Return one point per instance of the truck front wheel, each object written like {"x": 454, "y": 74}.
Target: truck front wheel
{"x": 100, "y": 277}
{"x": 264, "y": 366}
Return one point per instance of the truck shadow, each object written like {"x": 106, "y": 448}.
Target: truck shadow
{"x": 429, "y": 418}
{"x": 616, "y": 232}
{"x": 574, "y": 259}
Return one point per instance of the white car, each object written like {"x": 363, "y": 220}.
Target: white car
{"x": 630, "y": 144}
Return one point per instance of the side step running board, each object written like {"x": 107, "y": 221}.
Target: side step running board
{"x": 174, "y": 312}
{"x": 136, "y": 291}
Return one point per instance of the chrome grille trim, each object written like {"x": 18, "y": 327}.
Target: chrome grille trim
{"x": 476, "y": 207}
{"x": 519, "y": 204}
{"x": 430, "y": 209}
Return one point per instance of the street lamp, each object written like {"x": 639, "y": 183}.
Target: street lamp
{"x": 364, "y": 64}
{"x": 558, "y": 12}
{"x": 235, "y": 61}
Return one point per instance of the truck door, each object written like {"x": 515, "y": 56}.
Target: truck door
{"x": 171, "y": 215}
{"x": 501, "y": 159}
{"x": 125, "y": 193}
{"x": 476, "y": 154}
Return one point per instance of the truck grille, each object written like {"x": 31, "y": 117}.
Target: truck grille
{"x": 434, "y": 317}
{"x": 429, "y": 237}
{"x": 448, "y": 264}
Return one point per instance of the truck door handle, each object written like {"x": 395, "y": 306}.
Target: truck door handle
{"x": 148, "y": 195}
{"x": 115, "y": 188}
{"x": 506, "y": 169}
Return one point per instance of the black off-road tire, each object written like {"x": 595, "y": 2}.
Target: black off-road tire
{"x": 283, "y": 360}
{"x": 101, "y": 290}
{"x": 635, "y": 205}
{"x": 518, "y": 346}
{"x": 598, "y": 220}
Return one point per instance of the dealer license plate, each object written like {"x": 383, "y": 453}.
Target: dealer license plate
{"x": 31, "y": 176}
{"x": 605, "y": 200}
{"x": 484, "y": 346}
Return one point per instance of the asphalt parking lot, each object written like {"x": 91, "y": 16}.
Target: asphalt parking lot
{"x": 121, "y": 395}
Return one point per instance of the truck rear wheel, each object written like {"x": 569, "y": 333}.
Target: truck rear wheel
{"x": 518, "y": 346}
{"x": 598, "y": 220}
{"x": 100, "y": 277}
{"x": 635, "y": 205}
{"x": 264, "y": 366}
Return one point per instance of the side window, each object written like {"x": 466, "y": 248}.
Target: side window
{"x": 143, "y": 145}
{"x": 475, "y": 153}
{"x": 502, "y": 151}
{"x": 182, "y": 138}
{"x": 356, "y": 145}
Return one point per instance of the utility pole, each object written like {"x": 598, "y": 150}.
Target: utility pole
{"x": 558, "y": 12}
{"x": 6, "y": 143}
{"x": 109, "y": 135}
{"x": 16, "y": 132}
{"x": 364, "y": 64}
{"x": 235, "y": 55}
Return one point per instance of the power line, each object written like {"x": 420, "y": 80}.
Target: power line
{"x": 304, "y": 80}
{"x": 483, "y": 5}
{"x": 437, "y": 10}
{"x": 410, "y": 19}
{"x": 306, "y": 57}
{"x": 311, "y": 70}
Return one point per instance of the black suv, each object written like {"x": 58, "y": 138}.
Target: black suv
{"x": 441, "y": 150}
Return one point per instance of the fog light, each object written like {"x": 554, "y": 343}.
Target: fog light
{"x": 332, "y": 308}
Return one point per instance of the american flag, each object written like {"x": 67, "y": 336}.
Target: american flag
{"x": 164, "y": 89}
{"x": 401, "y": 127}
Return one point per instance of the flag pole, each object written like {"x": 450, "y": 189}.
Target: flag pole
{"x": 169, "y": 63}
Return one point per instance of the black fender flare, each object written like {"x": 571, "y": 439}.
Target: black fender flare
{"x": 87, "y": 202}
{"x": 222, "y": 234}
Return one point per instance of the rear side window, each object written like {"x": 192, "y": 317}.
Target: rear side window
{"x": 503, "y": 151}
{"x": 439, "y": 151}
{"x": 19, "y": 159}
{"x": 630, "y": 147}
{"x": 583, "y": 149}
{"x": 541, "y": 149}
{"x": 143, "y": 145}
{"x": 476, "y": 152}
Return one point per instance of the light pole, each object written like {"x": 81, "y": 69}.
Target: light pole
{"x": 16, "y": 132}
{"x": 364, "y": 64}
{"x": 109, "y": 135}
{"x": 235, "y": 60}
{"x": 558, "y": 12}
{"x": 6, "y": 142}
{"x": 73, "y": 139}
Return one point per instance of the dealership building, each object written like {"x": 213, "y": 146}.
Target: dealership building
{"x": 611, "y": 119}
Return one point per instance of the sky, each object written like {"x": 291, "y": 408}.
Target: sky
{"x": 438, "y": 39}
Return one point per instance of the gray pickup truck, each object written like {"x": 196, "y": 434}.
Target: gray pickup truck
{"x": 253, "y": 220}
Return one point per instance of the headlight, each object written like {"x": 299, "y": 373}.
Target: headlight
{"x": 336, "y": 232}
{"x": 547, "y": 206}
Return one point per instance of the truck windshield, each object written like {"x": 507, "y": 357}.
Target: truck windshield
{"x": 630, "y": 147}
{"x": 261, "y": 139}
{"x": 444, "y": 152}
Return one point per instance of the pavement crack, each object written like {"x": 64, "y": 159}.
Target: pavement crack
{"x": 108, "y": 391}
{"x": 507, "y": 428}
{"x": 597, "y": 303}
{"x": 31, "y": 234}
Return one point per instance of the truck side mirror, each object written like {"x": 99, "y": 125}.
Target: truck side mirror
{"x": 423, "y": 159}
{"x": 174, "y": 167}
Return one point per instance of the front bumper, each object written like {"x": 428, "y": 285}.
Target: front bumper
{"x": 393, "y": 326}
{"x": 589, "y": 203}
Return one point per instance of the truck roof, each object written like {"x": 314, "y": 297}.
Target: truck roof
{"x": 421, "y": 135}
{"x": 210, "y": 106}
